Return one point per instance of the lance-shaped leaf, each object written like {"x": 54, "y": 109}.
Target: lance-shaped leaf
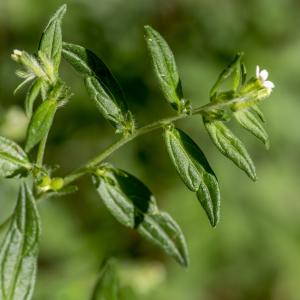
{"x": 104, "y": 101}
{"x": 107, "y": 285}
{"x": 162, "y": 230}
{"x": 126, "y": 197}
{"x": 165, "y": 68}
{"x": 102, "y": 86}
{"x": 88, "y": 64}
{"x": 233, "y": 68}
{"x": 230, "y": 146}
{"x": 258, "y": 112}
{"x": 32, "y": 95}
{"x": 13, "y": 159}
{"x": 19, "y": 250}
{"x": 40, "y": 123}
{"x": 51, "y": 40}
{"x": 249, "y": 121}
{"x": 194, "y": 170}
{"x": 133, "y": 205}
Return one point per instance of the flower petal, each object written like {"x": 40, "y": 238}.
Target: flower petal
{"x": 269, "y": 85}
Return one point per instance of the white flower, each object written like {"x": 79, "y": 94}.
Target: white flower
{"x": 262, "y": 76}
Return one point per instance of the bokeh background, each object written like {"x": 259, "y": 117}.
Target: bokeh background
{"x": 254, "y": 253}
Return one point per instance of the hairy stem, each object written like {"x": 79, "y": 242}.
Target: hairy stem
{"x": 88, "y": 167}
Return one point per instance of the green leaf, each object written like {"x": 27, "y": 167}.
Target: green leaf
{"x": 126, "y": 197}
{"x": 31, "y": 96}
{"x": 101, "y": 85}
{"x": 233, "y": 68}
{"x": 19, "y": 250}
{"x": 258, "y": 112}
{"x": 230, "y": 146}
{"x": 104, "y": 101}
{"x": 107, "y": 285}
{"x": 13, "y": 159}
{"x": 40, "y": 123}
{"x": 194, "y": 170}
{"x": 165, "y": 68}
{"x": 134, "y": 206}
{"x": 163, "y": 231}
{"x": 249, "y": 121}
{"x": 51, "y": 40}
{"x": 89, "y": 64}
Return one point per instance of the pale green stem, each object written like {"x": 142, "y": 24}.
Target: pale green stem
{"x": 88, "y": 167}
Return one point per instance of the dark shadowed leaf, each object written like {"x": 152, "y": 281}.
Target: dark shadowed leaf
{"x": 134, "y": 206}
{"x": 19, "y": 250}
{"x": 126, "y": 197}
{"x": 88, "y": 63}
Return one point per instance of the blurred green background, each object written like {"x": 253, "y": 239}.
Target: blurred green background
{"x": 254, "y": 253}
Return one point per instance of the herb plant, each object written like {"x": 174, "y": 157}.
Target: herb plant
{"x": 128, "y": 199}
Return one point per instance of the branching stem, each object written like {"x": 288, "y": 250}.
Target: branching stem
{"x": 89, "y": 166}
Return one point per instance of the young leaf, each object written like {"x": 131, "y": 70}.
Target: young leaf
{"x": 249, "y": 121}
{"x": 40, "y": 123}
{"x": 194, "y": 170}
{"x": 51, "y": 40}
{"x": 163, "y": 231}
{"x": 233, "y": 68}
{"x": 164, "y": 67}
{"x": 31, "y": 96}
{"x": 19, "y": 250}
{"x": 13, "y": 159}
{"x": 107, "y": 285}
{"x": 230, "y": 146}
{"x": 133, "y": 205}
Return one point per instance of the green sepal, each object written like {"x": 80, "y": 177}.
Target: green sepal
{"x": 19, "y": 249}
{"x": 230, "y": 146}
{"x": 51, "y": 39}
{"x": 165, "y": 69}
{"x": 249, "y": 121}
{"x": 13, "y": 159}
{"x": 40, "y": 123}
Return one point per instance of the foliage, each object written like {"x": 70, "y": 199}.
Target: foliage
{"x": 126, "y": 197}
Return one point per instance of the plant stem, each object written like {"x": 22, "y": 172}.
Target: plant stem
{"x": 87, "y": 168}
